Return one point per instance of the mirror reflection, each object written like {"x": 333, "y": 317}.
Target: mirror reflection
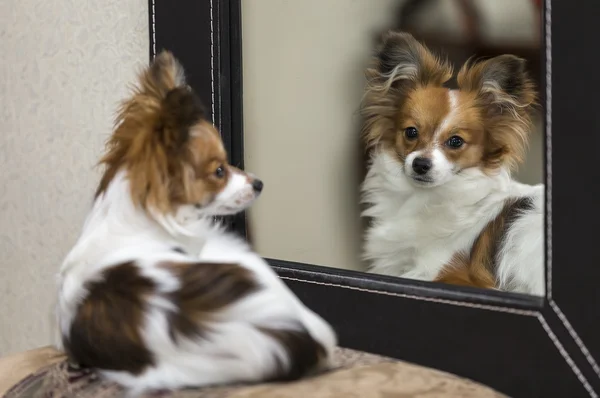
{"x": 403, "y": 139}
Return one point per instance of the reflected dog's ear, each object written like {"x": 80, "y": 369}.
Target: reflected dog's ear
{"x": 506, "y": 96}
{"x": 500, "y": 83}
{"x": 404, "y": 60}
{"x": 400, "y": 65}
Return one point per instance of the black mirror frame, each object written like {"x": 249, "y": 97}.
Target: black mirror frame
{"x": 522, "y": 346}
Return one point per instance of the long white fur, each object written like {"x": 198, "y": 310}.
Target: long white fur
{"x": 116, "y": 231}
{"x": 416, "y": 230}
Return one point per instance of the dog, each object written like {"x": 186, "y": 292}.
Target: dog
{"x": 155, "y": 294}
{"x": 438, "y": 191}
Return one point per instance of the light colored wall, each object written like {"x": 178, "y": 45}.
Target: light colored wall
{"x": 303, "y": 80}
{"x": 65, "y": 65}
{"x": 303, "y": 65}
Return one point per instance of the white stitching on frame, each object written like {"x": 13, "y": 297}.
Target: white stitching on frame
{"x": 219, "y": 96}
{"x": 549, "y": 149}
{"x": 212, "y": 63}
{"x": 212, "y": 68}
{"x": 567, "y": 357}
{"x": 153, "y": 29}
{"x": 536, "y": 314}
{"x": 420, "y": 298}
{"x": 586, "y": 353}
{"x": 584, "y": 350}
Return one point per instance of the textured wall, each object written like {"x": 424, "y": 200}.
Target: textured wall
{"x": 65, "y": 65}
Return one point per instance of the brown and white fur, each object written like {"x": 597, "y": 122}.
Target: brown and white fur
{"x": 439, "y": 190}
{"x": 154, "y": 294}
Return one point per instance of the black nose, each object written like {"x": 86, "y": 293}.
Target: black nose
{"x": 257, "y": 185}
{"x": 421, "y": 165}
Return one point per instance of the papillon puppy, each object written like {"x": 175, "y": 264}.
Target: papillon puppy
{"x": 154, "y": 295}
{"x": 439, "y": 192}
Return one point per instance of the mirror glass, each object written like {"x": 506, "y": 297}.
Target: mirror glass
{"x": 416, "y": 153}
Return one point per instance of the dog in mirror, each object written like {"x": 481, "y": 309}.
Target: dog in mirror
{"x": 439, "y": 190}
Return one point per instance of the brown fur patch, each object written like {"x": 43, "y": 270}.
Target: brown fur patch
{"x": 304, "y": 352}
{"x": 462, "y": 271}
{"x": 424, "y": 109}
{"x": 210, "y": 287}
{"x": 205, "y": 289}
{"x": 164, "y": 142}
{"x": 105, "y": 332}
{"x": 478, "y": 268}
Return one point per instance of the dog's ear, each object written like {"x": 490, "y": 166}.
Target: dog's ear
{"x": 180, "y": 108}
{"x": 164, "y": 74}
{"x": 507, "y": 96}
{"x": 400, "y": 65}
{"x": 501, "y": 83}
{"x": 404, "y": 60}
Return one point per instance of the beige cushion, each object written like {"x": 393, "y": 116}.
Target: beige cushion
{"x": 355, "y": 374}
{"x": 15, "y": 367}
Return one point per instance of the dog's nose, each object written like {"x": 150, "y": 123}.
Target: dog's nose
{"x": 421, "y": 165}
{"x": 257, "y": 185}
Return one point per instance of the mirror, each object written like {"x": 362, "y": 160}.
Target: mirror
{"x": 385, "y": 153}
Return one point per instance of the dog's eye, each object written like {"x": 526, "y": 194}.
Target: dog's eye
{"x": 411, "y": 133}
{"x": 220, "y": 172}
{"x": 455, "y": 142}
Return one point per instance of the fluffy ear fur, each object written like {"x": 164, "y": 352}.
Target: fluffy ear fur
{"x": 181, "y": 109}
{"x": 401, "y": 64}
{"x": 164, "y": 74}
{"x": 164, "y": 81}
{"x": 506, "y": 96}
{"x": 402, "y": 58}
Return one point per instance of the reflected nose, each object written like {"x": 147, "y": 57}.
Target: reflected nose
{"x": 257, "y": 185}
{"x": 421, "y": 165}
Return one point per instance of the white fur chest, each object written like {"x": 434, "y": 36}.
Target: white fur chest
{"x": 415, "y": 231}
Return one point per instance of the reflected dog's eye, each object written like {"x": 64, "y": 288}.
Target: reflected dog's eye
{"x": 411, "y": 133}
{"x": 455, "y": 142}
{"x": 220, "y": 172}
